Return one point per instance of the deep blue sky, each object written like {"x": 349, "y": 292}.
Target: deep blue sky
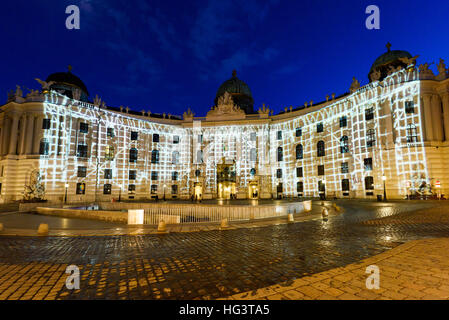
{"x": 165, "y": 56}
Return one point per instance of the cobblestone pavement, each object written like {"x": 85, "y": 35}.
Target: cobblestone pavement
{"x": 205, "y": 265}
{"x": 416, "y": 270}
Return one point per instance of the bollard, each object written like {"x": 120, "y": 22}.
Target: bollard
{"x": 1, "y": 227}
{"x": 224, "y": 224}
{"x": 162, "y": 227}
{"x": 290, "y": 217}
{"x": 43, "y": 229}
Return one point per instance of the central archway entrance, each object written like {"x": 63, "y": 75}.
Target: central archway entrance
{"x": 226, "y": 181}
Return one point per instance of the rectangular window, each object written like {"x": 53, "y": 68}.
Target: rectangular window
{"x": 110, "y": 132}
{"x": 409, "y": 107}
{"x": 134, "y": 135}
{"x": 174, "y": 175}
{"x": 175, "y": 139}
{"x": 154, "y": 175}
{"x": 132, "y": 174}
{"x": 279, "y": 135}
{"x": 84, "y": 127}
{"x": 82, "y": 172}
{"x": 80, "y": 188}
{"x": 107, "y": 188}
{"x": 344, "y": 167}
{"x": 174, "y": 189}
{"x": 298, "y": 132}
{"x": 46, "y": 123}
{"x": 368, "y": 164}
{"x": 108, "y": 173}
{"x": 369, "y": 114}
{"x": 345, "y": 185}
{"x": 44, "y": 147}
{"x": 155, "y": 137}
{"x": 132, "y": 189}
{"x": 82, "y": 151}
{"x": 369, "y": 183}
{"x": 321, "y": 170}
{"x": 200, "y": 138}
{"x": 109, "y": 153}
{"x": 279, "y": 173}
{"x": 153, "y": 188}
{"x": 299, "y": 172}
{"x": 319, "y": 127}
{"x": 343, "y": 121}
{"x": 299, "y": 186}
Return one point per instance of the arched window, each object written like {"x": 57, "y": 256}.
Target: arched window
{"x": 252, "y": 171}
{"x": 299, "y": 153}
{"x": 133, "y": 155}
{"x": 280, "y": 155}
{"x": 155, "y": 156}
{"x": 253, "y": 154}
{"x": 344, "y": 148}
{"x": 320, "y": 148}
{"x": 199, "y": 156}
{"x": 175, "y": 157}
{"x": 44, "y": 147}
{"x": 412, "y": 134}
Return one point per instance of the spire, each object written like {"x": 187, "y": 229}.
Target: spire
{"x": 69, "y": 67}
{"x": 234, "y": 73}
{"x": 388, "y": 46}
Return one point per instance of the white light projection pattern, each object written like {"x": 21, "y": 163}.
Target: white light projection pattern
{"x": 398, "y": 160}
{"x": 60, "y": 166}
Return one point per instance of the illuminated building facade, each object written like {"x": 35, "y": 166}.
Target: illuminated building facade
{"x": 394, "y": 131}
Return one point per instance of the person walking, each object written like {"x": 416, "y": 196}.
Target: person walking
{"x": 325, "y": 214}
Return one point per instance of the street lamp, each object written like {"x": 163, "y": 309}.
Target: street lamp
{"x": 385, "y": 190}
{"x": 65, "y": 196}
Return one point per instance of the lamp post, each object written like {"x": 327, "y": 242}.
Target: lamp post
{"x": 65, "y": 196}
{"x": 120, "y": 194}
{"x": 385, "y": 190}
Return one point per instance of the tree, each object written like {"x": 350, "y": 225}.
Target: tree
{"x": 35, "y": 189}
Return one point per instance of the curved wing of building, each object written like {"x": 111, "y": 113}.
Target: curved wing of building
{"x": 390, "y": 136}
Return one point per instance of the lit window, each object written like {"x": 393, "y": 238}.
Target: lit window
{"x": 107, "y": 189}
{"x": 412, "y": 134}
{"x": 153, "y": 188}
{"x": 109, "y": 153}
{"x": 80, "y": 188}
{"x": 132, "y": 189}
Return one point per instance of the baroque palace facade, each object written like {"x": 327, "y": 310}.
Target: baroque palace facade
{"x": 391, "y": 134}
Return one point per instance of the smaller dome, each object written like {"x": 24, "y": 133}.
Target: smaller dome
{"x": 66, "y": 81}
{"x": 389, "y": 58}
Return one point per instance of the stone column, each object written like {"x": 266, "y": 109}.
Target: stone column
{"x": 2, "y": 137}
{"x": 29, "y": 134}
{"x": 37, "y": 131}
{"x": 22, "y": 134}
{"x": 437, "y": 118}
{"x": 14, "y": 132}
{"x": 427, "y": 117}
{"x": 445, "y": 99}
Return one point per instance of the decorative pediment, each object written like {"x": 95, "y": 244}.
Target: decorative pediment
{"x": 226, "y": 109}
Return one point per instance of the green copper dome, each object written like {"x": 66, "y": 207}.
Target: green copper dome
{"x": 240, "y": 92}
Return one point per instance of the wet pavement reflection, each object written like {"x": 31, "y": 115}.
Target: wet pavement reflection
{"x": 213, "y": 264}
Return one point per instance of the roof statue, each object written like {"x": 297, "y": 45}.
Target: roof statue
{"x": 45, "y": 85}
{"x": 354, "y": 86}
{"x": 226, "y": 109}
{"x": 442, "y": 72}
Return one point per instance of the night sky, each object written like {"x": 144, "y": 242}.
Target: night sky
{"x": 165, "y": 56}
